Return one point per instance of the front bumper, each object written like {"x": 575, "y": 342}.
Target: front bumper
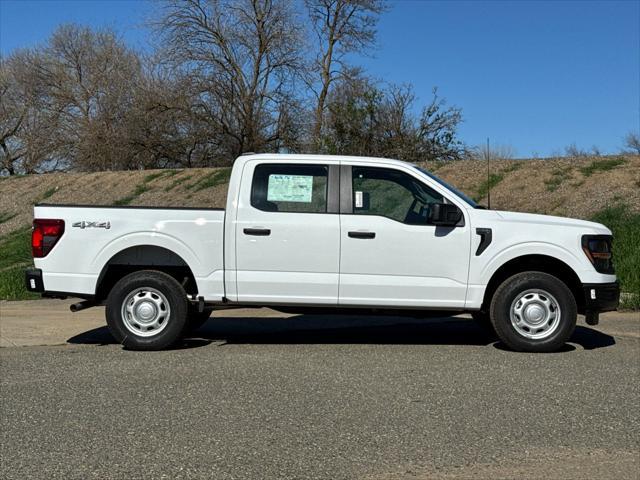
{"x": 33, "y": 280}
{"x": 601, "y": 297}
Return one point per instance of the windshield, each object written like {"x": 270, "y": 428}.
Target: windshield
{"x": 454, "y": 190}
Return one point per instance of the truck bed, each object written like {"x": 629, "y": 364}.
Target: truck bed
{"x": 96, "y": 236}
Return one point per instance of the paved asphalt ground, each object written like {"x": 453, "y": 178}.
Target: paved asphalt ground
{"x": 261, "y": 395}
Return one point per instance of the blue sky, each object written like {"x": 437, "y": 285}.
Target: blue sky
{"x": 535, "y": 75}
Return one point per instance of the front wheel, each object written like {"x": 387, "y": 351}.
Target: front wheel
{"x": 147, "y": 310}
{"x": 533, "y": 312}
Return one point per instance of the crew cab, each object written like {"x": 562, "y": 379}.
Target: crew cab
{"x": 313, "y": 233}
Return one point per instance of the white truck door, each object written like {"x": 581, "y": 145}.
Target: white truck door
{"x": 390, "y": 254}
{"x": 288, "y": 233}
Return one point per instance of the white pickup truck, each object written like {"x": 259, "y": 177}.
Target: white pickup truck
{"x": 308, "y": 233}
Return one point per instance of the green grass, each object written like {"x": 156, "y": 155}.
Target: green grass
{"x": 144, "y": 187}
{"x": 625, "y": 226}
{"x": 163, "y": 174}
{"x": 15, "y": 248}
{"x": 12, "y": 285}
{"x": 483, "y": 189}
{"x": 15, "y": 256}
{"x": 12, "y": 177}
{"x": 6, "y": 216}
{"x": 176, "y": 182}
{"x": 140, "y": 189}
{"x": 152, "y": 176}
{"x": 602, "y": 165}
{"x": 48, "y": 193}
{"x": 213, "y": 179}
{"x": 558, "y": 177}
{"x": 513, "y": 167}
{"x": 121, "y": 202}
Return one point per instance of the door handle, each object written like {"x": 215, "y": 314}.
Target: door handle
{"x": 362, "y": 234}
{"x": 259, "y": 232}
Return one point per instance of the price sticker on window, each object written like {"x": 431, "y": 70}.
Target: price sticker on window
{"x": 359, "y": 200}
{"x": 290, "y": 188}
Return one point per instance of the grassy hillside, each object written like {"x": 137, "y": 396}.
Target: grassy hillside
{"x": 606, "y": 189}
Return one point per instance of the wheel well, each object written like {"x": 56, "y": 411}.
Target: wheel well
{"x": 144, "y": 257}
{"x": 535, "y": 263}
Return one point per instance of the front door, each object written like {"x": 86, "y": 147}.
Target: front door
{"x": 391, "y": 255}
{"x": 287, "y": 233}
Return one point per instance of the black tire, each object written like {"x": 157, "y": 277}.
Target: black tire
{"x": 174, "y": 303}
{"x": 196, "y": 319}
{"x": 554, "y": 333}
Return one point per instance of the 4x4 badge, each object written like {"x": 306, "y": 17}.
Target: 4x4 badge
{"x": 84, "y": 225}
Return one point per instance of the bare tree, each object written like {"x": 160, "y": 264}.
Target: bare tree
{"x": 238, "y": 57}
{"x": 13, "y": 111}
{"x": 91, "y": 78}
{"x": 572, "y": 150}
{"x": 27, "y": 126}
{"x": 632, "y": 141}
{"x": 438, "y": 130}
{"x": 496, "y": 151}
{"x": 341, "y": 27}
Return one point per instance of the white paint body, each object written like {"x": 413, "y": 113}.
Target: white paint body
{"x": 308, "y": 259}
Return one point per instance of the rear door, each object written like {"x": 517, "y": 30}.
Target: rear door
{"x": 288, "y": 233}
{"x": 390, "y": 254}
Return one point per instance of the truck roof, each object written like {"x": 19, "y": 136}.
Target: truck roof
{"x": 291, "y": 157}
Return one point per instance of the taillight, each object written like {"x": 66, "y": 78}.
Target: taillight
{"x": 597, "y": 248}
{"x": 45, "y": 235}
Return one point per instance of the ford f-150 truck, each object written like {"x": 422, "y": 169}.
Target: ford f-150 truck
{"x": 311, "y": 233}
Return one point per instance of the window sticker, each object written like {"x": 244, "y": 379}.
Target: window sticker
{"x": 290, "y": 188}
{"x": 359, "y": 200}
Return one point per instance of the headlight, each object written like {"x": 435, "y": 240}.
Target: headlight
{"x": 597, "y": 248}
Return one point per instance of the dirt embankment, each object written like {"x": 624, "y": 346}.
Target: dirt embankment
{"x": 570, "y": 187}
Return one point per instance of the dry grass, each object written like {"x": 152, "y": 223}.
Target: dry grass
{"x": 145, "y": 187}
{"x": 578, "y": 187}
{"x": 527, "y": 188}
{"x": 553, "y": 186}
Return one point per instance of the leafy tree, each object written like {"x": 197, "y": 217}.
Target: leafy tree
{"x": 365, "y": 118}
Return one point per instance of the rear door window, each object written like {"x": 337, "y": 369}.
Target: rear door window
{"x": 290, "y": 188}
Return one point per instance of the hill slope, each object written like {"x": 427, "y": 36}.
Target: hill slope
{"x": 575, "y": 187}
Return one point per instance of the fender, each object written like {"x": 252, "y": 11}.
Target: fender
{"x": 558, "y": 252}
{"x": 156, "y": 239}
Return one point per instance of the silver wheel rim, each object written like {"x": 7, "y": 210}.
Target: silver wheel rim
{"x": 145, "y": 312}
{"x": 535, "y": 314}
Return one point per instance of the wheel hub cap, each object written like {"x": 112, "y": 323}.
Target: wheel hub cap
{"x": 145, "y": 312}
{"x": 535, "y": 314}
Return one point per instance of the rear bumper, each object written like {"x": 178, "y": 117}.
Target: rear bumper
{"x": 33, "y": 280}
{"x": 601, "y": 297}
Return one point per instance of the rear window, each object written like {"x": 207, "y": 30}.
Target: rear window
{"x": 290, "y": 188}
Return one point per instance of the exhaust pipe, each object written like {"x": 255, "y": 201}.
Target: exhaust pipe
{"x": 76, "y": 307}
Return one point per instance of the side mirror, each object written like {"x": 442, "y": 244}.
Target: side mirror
{"x": 444, "y": 214}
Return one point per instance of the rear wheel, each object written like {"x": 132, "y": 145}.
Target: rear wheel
{"x": 146, "y": 310}
{"x": 533, "y": 312}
